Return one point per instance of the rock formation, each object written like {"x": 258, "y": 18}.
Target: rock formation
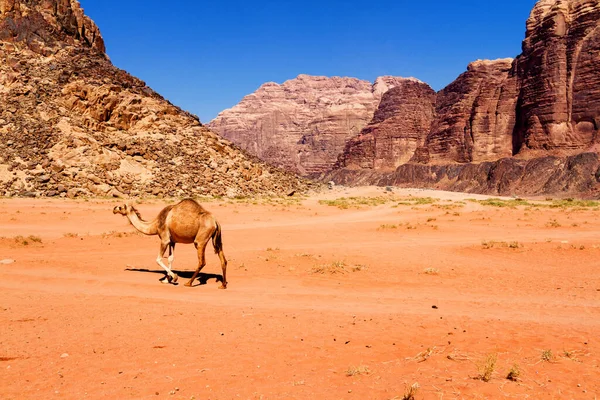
{"x": 396, "y": 130}
{"x": 303, "y": 124}
{"x": 475, "y": 116}
{"x": 73, "y": 124}
{"x": 559, "y": 78}
{"x": 524, "y": 126}
{"x": 576, "y": 175}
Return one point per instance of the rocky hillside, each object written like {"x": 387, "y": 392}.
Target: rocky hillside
{"x": 303, "y": 124}
{"x": 73, "y": 124}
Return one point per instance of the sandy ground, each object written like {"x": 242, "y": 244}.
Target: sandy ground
{"x": 322, "y": 303}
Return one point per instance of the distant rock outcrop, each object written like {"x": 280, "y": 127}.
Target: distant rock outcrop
{"x": 396, "y": 130}
{"x": 72, "y": 124}
{"x": 303, "y": 124}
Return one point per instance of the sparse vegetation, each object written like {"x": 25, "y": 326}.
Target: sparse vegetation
{"x": 553, "y": 223}
{"x": 424, "y": 200}
{"x": 574, "y": 203}
{"x": 448, "y": 206}
{"x": 304, "y": 255}
{"x": 548, "y": 203}
{"x": 336, "y": 267}
{"x": 356, "y": 202}
{"x": 387, "y": 226}
{"x": 411, "y": 391}
{"x": 487, "y": 367}
{"x": 359, "y": 370}
{"x": 513, "y": 373}
{"x": 115, "y": 234}
{"x": 357, "y": 268}
{"x": 424, "y": 355}
{"x": 494, "y": 202}
{"x": 431, "y": 271}
{"x": 547, "y": 355}
{"x": 26, "y": 241}
{"x": 488, "y": 244}
{"x": 571, "y": 354}
{"x": 71, "y": 235}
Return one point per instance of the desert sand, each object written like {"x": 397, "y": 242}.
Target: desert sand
{"x": 323, "y": 302}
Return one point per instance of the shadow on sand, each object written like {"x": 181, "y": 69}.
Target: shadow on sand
{"x": 202, "y": 277}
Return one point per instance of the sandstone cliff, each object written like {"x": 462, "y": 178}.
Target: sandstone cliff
{"x": 304, "y": 123}
{"x": 544, "y": 107}
{"x": 405, "y": 113}
{"x": 475, "y": 116}
{"x": 559, "y": 77}
{"x": 73, "y": 124}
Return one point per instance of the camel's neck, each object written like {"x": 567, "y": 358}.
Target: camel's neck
{"x": 147, "y": 228}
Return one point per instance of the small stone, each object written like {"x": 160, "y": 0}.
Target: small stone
{"x": 64, "y": 355}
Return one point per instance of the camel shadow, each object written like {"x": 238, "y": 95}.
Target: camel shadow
{"x": 202, "y": 277}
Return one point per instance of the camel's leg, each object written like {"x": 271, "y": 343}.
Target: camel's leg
{"x": 170, "y": 259}
{"x": 224, "y": 268}
{"x": 170, "y": 275}
{"x": 200, "y": 247}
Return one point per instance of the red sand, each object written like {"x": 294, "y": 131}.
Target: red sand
{"x": 75, "y": 323}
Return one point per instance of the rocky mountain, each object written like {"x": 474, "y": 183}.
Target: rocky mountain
{"x": 303, "y": 124}
{"x": 73, "y": 124}
{"x": 523, "y": 126}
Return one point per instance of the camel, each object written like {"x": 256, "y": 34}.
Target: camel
{"x": 184, "y": 222}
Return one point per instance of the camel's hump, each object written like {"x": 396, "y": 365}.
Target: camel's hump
{"x": 190, "y": 205}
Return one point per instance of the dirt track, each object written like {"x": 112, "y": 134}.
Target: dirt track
{"x": 424, "y": 293}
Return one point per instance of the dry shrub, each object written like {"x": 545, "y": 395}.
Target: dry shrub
{"x": 336, "y": 267}
{"x": 359, "y": 370}
{"x": 486, "y": 369}
{"x": 514, "y": 373}
{"x": 411, "y": 391}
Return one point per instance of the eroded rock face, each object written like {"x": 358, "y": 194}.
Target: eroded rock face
{"x": 559, "y": 76}
{"x": 576, "y": 175}
{"x": 398, "y": 127}
{"x": 72, "y": 124}
{"x": 475, "y": 116}
{"x": 303, "y": 124}
{"x": 44, "y": 25}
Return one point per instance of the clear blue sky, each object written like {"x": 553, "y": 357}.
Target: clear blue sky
{"x": 204, "y": 56}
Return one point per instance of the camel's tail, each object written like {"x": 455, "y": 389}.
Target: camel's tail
{"x": 216, "y": 239}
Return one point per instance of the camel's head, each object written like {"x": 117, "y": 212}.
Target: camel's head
{"x": 121, "y": 209}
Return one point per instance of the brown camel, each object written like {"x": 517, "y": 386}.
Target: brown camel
{"x": 184, "y": 222}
